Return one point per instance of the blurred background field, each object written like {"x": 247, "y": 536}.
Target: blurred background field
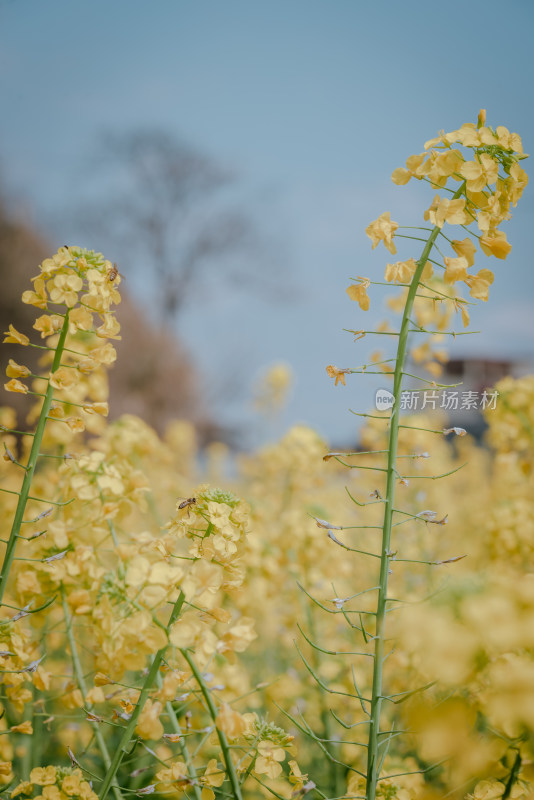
{"x": 228, "y": 157}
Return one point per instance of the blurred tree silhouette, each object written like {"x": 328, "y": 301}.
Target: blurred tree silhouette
{"x": 166, "y": 211}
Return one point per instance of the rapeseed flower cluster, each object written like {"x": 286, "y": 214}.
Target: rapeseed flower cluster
{"x": 479, "y": 169}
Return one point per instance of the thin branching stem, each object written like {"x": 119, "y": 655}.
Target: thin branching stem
{"x": 124, "y": 744}
{"x": 373, "y": 773}
{"x": 30, "y": 467}
{"x": 80, "y": 680}
{"x": 226, "y": 754}
{"x": 191, "y": 770}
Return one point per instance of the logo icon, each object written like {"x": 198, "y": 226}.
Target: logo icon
{"x": 384, "y": 400}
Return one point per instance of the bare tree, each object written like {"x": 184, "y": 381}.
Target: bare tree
{"x": 168, "y": 211}
{"x": 172, "y": 218}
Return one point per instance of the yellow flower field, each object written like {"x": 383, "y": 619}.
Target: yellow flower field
{"x": 310, "y": 623}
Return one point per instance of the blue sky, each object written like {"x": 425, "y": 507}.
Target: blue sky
{"x": 312, "y": 103}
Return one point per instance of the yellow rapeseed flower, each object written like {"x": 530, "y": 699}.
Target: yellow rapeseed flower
{"x": 495, "y": 244}
{"x": 479, "y": 284}
{"x": 358, "y": 292}
{"x": 14, "y": 370}
{"x": 268, "y": 759}
{"x": 76, "y": 424}
{"x": 231, "y": 722}
{"x": 455, "y": 269}
{"x": 43, "y": 776}
{"x": 25, "y": 787}
{"x": 148, "y": 724}
{"x": 48, "y": 325}
{"x": 402, "y": 271}
{"x": 23, "y": 727}
{"x": 382, "y": 230}
{"x": 480, "y": 173}
{"x": 414, "y": 163}
{"x": 516, "y": 183}
{"x": 64, "y": 378}
{"x": 213, "y": 776}
{"x": 444, "y": 210}
{"x": 337, "y": 373}
{"x": 13, "y": 335}
{"x": 16, "y": 386}
{"x": 465, "y": 248}
{"x": 38, "y": 297}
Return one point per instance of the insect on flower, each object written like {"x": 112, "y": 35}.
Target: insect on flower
{"x": 187, "y": 502}
{"x": 113, "y": 273}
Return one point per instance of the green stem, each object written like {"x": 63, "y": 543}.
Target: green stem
{"x": 29, "y": 709}
{"x": 80, "y": 680}
{"x": 32, "y": 461}
{"x": 191, "y": 771}
{"x": 230, "y": 769}
{"x": 336, "y": 787}
{"x": 514, "y": 773}
{"x": 377, "y": 691}
{"x": 126, "y": 737}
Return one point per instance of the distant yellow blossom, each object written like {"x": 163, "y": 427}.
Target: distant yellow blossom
{"x": 25, "y": 787}
{"x": 23, "y": 727}
{"x": 176, "y": 774}
{"x": 488, "y": 790}
{"x": 231, "y": 722}
{"x": 148, "y": 724}
{"x": 101, "y": 680}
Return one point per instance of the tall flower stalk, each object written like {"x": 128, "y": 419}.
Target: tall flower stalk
{"x": 73, "y": 285}
{"x": 488, "y": 185}
{"x": 386, "y": 554}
